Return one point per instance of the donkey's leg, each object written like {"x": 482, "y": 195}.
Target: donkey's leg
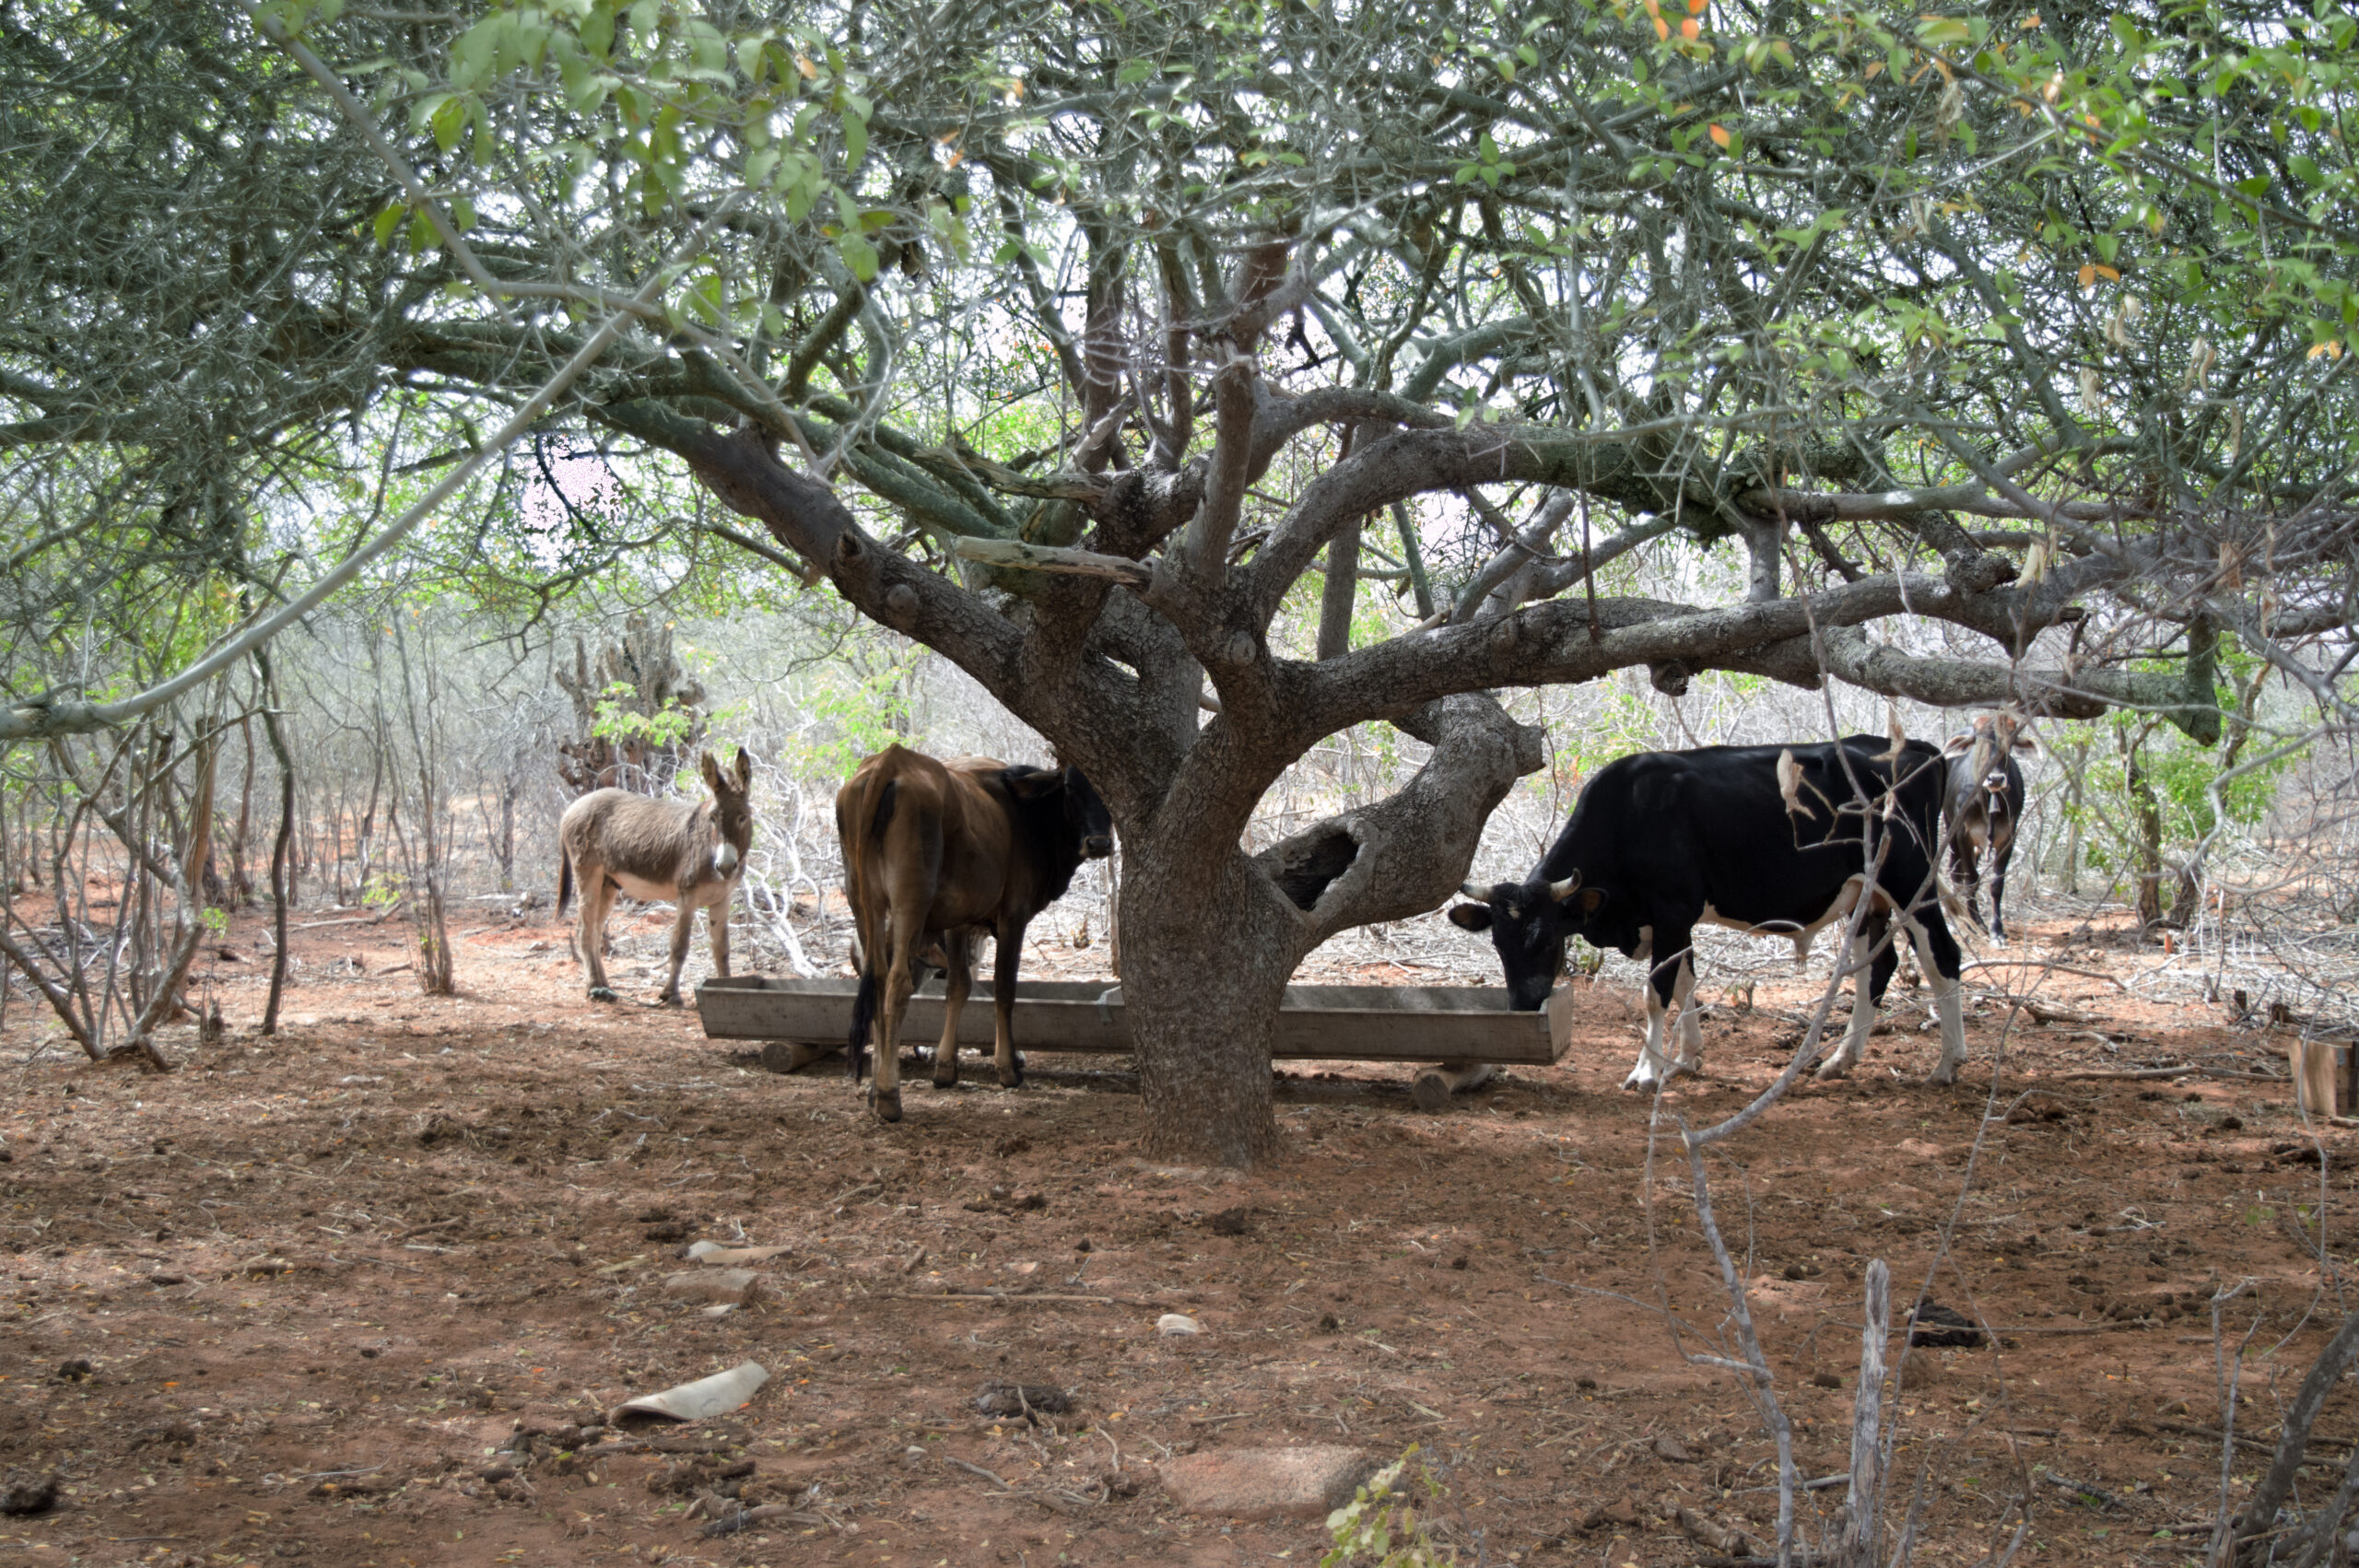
{"x": 597, "y": 902}
{"x": 958, "y": 950}
{"x": 716, "y": 925}
{"x": 1007, "y": 951}
{"x": 683, "y": 924}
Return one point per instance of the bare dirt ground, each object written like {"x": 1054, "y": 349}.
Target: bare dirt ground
{"x": 356, "y": 1294}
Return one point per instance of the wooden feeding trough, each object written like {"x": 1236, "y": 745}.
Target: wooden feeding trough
{"x": 1467, "y": 1030}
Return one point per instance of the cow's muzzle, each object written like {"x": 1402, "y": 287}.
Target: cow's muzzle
{"x": 1096, "y": 846}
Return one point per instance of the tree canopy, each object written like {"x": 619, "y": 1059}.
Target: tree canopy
{"x": 1074, "y": 340}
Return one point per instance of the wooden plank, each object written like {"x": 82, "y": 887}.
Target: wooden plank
{"x": 1315, "y": 1022}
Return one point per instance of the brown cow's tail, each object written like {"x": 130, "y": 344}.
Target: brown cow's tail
{"x": 868, "y": 923}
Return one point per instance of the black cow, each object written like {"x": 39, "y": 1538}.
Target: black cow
{"x": 1763, "y": 838}
{"x": 1985, "y": 800}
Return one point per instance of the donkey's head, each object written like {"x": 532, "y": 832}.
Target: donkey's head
{"x": 732, "y": 810}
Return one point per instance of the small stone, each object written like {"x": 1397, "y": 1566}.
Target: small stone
{"x": 1178, "y": 1323}
{"x": 727, "y": 1287}
{"x": 913, "y": 1457}
{"x": 1673, "y": 1449}
{"x": 1307, "y": 1482}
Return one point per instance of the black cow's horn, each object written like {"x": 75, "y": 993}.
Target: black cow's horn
{"x": 1560, "y": 890}
{"x": 1480, "y": 895}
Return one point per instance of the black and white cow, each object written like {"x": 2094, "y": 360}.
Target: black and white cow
{"x": 1768, "y": 839}
{"x": 1985, "y": 800}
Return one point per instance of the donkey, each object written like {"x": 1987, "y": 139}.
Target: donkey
{"x": 692, "y": 856}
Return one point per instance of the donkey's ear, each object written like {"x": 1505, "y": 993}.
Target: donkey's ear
{"x": 709, "y": 766}
{"x": 745, "y": 769}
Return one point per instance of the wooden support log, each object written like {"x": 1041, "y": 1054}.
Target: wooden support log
{"x": 1433, "y": 1087}
{"x": 793, "y": 1056}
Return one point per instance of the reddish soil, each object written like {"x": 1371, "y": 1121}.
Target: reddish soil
{"x": 347, "y": 1295}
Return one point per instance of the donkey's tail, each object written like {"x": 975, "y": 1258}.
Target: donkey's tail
{"x": 564, "y": 880}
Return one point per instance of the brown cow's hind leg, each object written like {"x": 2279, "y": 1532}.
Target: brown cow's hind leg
{"x": 958, "y": 955}
{"x": 1007, "y": 951}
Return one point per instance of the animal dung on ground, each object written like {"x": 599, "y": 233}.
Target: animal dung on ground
{"x": 29, "y": 1491}
{"x": 1935, "y": 1327}
{"x": 1230, "y": 1223}
{"x": 717, "y": 1395}
{"x": 1030, "y": 1400}
{"x": 732, "y": 1287}
{"x": 1172, "y": 1323}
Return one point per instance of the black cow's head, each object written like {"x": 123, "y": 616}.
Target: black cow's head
{"x": 1085, "y": 813}
{"x": 1530, "y": 923}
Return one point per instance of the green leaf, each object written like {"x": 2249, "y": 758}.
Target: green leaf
{"x": 858, "y": 254}
{"x": 448, "y": 122}
{"x": 388, "y": 220}
{"x": 855, "y": 141}
{"x": 597, "y": 29}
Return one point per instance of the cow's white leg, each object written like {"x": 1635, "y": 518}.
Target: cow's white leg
{"x": 1654, "y": 1069}
{"x": 1947, "y": 1006}
{"x": 1691, "y": 1023}
{"x": 1860, "y": 951}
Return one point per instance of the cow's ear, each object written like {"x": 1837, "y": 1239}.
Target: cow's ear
{"x": 1471, "y": 917}
{"x": 2025, "y": 744}
{"x": 745, "y": 769}
{"x": 1034, "y": 783}
{"x": 1958, "y": 745}
{"x": 709, "y": 766}
{"x": 1591, "y": 898}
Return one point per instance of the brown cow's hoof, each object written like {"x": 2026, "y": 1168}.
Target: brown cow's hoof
{"x": 1011, "y": 1077}
{"x": 886, "y": 1103}
{"x": 945, "y": 1079}
{"x": 603, "y": 993}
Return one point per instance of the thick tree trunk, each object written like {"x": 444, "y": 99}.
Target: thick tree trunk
{"x": 1206, "y": 953}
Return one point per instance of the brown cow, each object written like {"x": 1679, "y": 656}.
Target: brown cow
{"x": 950, "y": 850}
{"x": 690, "y": 856}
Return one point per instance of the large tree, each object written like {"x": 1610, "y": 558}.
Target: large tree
{"x": 1072, "y": 340}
